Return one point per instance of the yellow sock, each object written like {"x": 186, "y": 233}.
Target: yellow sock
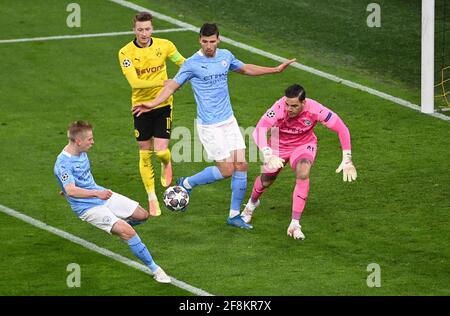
{"x": 146, "y": 169}
{"x": 163, "y": 155}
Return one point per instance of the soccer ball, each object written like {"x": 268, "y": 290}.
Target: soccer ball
{"x": 176, "y": 198}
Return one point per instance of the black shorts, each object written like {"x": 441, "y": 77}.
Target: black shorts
{"x": 156, "y": 123}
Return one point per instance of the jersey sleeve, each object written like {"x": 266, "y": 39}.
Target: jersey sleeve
{"x": 126, "y": 63}
{"x": 332, "y": 121}
{"x": 324, "y": 115}
{"x": 235, "y": 64}
{"x": 184, "y": 74}
{"x": 174, "y": 55}
{"x": 267, "y": 121}
{"x": 64, "y": 174}
{"x": 129, "y": 71}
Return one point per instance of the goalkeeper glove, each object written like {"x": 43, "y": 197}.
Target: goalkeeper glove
{"x": 349, "y": 170}
{"x": 272, "y": 161}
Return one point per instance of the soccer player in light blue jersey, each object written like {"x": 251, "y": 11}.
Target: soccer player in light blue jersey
{"x": 95, "y": 204}
{"x": 217, "y": 127}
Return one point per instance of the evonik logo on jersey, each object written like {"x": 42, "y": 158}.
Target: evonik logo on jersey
{"x": 149, "y": 69}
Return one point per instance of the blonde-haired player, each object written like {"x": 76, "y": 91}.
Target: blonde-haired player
{"x": 143, "y": 62}
{"x": 96, "y": 205}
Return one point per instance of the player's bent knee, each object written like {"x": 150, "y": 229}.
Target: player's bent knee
{"x": 123, "y": 230}
{"x": 226, "y": 171}
{"x": 145, "y": 145}
{"x": 303, "y": 176}
{"x": 267, "y": 180}
{"x": 241, "y": 166}
{"x": 267, "y": 184}
{"x": 140, "y": 214}
{"x": 302, "y": 169}
{"x": 160, "y": 144}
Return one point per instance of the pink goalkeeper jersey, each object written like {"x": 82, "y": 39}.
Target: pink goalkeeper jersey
{"x": 299, "y": 130}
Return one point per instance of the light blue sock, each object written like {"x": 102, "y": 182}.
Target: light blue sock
{"x": 206, "y": 176}
{"x": 140, "y": 250}
{"x": 238, "y": 189}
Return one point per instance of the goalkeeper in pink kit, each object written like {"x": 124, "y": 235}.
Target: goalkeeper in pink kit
{"x": 291, "y": 121}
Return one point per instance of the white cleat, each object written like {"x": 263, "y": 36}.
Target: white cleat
{"x": 249, "y": 209}
{"x": 161, "y": 277}
{"x": 295, "y": 231}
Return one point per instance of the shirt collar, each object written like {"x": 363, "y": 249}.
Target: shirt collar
{"x": 65, "y": 153}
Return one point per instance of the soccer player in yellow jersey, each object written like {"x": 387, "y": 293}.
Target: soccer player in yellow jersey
{"x": 143, "y": 62}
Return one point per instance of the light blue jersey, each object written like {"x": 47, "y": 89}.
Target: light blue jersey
{"x": 209, "y": 79}
{"x": 77, "y": 169}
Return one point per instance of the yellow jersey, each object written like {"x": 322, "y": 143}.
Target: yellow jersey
{"x": 145, "y": 68}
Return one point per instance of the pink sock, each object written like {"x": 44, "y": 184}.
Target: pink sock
{"x": 299, "y": 197}
{"x": 258, "y": 189}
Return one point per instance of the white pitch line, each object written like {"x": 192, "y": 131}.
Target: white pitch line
{"x": 303, "y": 67}
{"x": 95, "y": 248}
{"x": 63, "y": 37}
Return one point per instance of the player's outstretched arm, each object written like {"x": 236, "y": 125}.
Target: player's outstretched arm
{"x": 281, "y": 67}
{"x": 170, "y": 86}
{"x": 335, "y": 123}
{"x": 255, "y": 70}
{"x": 74, "y": 191}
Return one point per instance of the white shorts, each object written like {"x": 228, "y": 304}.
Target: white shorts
{"x": 106, "y": 215}
{"x": 220, "y": 139}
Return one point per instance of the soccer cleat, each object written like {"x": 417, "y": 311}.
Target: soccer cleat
{"x": 295, "y": 231}
{"x": 161, "y": 277}
{"x": 249, "y": 209}
{"x": 153, "y": 207}
{"x": 180, "y": 183}
{"x": 166, "y": 174}
{"x": 237, "y": 221}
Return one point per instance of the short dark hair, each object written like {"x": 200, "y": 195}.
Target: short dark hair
{"x": 142, "y": 17}
{"x": 295, "y": 90}
{"x": 209, "y": 29}
{"x": 76, "y": 128}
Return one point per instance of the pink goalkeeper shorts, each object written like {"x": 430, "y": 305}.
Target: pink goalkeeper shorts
{"x": 304, "y": 151}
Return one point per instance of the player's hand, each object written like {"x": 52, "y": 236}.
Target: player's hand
{"x": 140, "y": 109}
{"x": 272, "y": 161}
{"x": 148, "y": 105}
{"x": 348, "y": 169}
{"x": 104, "y": 194}
{"x": 275, "y": 162}
{"x": 284, "y": 65}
